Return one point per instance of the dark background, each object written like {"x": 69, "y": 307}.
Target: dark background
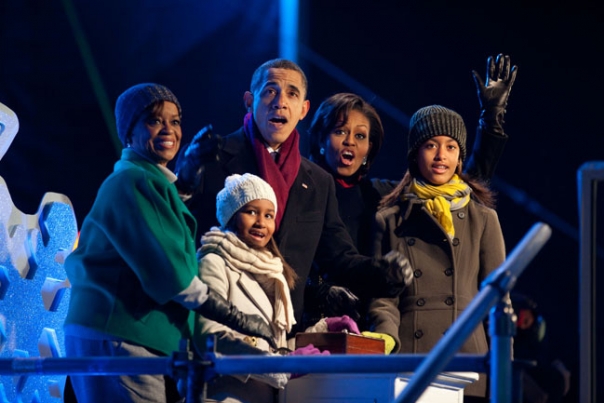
{"x": 63, "y": 64}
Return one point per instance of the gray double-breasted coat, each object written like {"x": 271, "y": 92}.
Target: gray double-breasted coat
{"x": 447, "y": 274}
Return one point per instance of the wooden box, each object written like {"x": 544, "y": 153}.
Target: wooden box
{"x": 341, "y": 343}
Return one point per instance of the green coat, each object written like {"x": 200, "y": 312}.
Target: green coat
{"x": 447, "y": 274}
{"x": 135, "y": 253}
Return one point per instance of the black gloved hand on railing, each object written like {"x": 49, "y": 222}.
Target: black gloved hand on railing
{"x": 203, "y": 148}
{"x": 493, "y": 94}
{"x": 218, "y": 309}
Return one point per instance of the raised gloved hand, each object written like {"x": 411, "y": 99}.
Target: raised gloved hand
{"x": 396, "y": 271}
{"x": 493, "y": 93}
{"x": 218, "y": 309}
{"x": 340, "y": 301}
{"x": 203, "y": 148}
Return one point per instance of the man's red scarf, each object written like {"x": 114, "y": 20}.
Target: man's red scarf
{"x": 282, "y": 174}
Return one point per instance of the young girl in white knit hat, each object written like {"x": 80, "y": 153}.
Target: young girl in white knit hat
{"x": 240, "y": 261}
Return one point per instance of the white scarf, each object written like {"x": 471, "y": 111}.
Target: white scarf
{"x": 266, "y": 268}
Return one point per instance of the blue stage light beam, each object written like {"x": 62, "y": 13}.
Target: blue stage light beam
{"x": 288, "y": 30}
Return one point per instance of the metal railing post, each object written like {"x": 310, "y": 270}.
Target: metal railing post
{"x": 502, "y": 327}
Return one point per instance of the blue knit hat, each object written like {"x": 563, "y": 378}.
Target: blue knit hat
{"x": 436, "y": 120}
{"x": 133, "y": 102}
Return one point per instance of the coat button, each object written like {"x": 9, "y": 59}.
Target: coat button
{"x": 455, "y": 241}
{"x": 449, "y": 272}
{"x": 417, "y": 273}
{"x": 461, "y": 215}
{"x": 449, "y": 301}
{"x": 421, "y": 302}
{"x": 411, "y": 241}
{"x": 418, "y": 334}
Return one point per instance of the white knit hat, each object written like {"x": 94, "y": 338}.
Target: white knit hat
{"x": 237, "y": 192}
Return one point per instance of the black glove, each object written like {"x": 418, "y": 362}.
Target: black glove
{"x": 340, "y": 301}
{"x": 218, "y": 309}
{"x": 493, "y": 96}
{"x": 396, "y": 273}
{"x": 203, "y": 148}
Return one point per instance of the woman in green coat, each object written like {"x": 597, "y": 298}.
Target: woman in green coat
{"x": 134, "y": 282}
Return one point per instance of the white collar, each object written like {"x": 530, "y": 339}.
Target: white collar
{"x": 170, "y": 176}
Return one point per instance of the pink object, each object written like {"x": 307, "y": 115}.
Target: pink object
{"x": 340, "y": 323}
{"x": 309, "y": 350}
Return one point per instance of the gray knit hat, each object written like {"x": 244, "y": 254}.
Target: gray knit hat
{"x": 132, "y": 103}
{"x": 238, "y": 191}
{"x": 436, "y": 120}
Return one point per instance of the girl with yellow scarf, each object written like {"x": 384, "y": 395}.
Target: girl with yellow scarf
{"x": 443, "y": 221}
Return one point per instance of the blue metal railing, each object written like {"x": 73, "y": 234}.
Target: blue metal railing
{"x": 425, "y": 366}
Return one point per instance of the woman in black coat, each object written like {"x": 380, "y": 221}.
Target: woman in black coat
{"x": 346, "y": 135}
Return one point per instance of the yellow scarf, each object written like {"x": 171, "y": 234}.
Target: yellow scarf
{"x": 441, "y": 200}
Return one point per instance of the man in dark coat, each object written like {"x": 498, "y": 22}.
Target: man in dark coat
{"x": 308, "y": 224}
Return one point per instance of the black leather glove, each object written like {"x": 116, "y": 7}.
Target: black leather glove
{"x": 203, "y": 148}
{"x": 493, "y": 95}
{"x": 340, "y": 301}
{"x": 396, "y": 271}
{"x": 218, "y": 309}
